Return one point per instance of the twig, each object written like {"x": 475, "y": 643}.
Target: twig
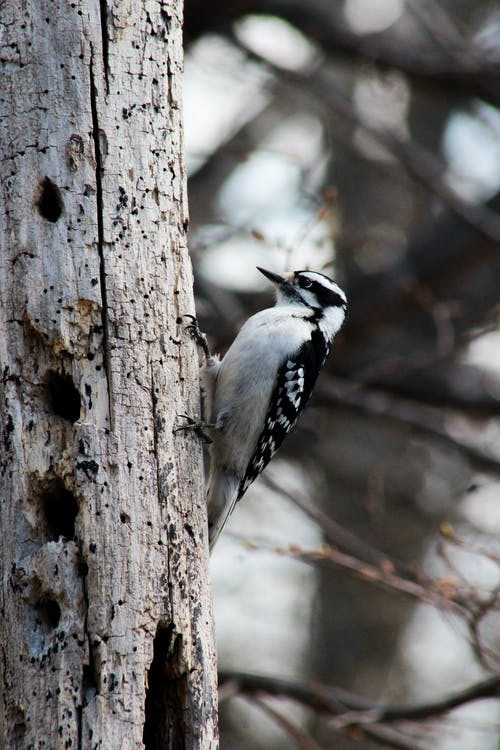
{"x": 390, "y": 737}
{"x": 448, "y": 533}
{"x": 440, "y": 29}
{"x": 383, "y": 576}
{"x": 446, "y": 598}
{"x": 418, "y": 161}
{"x": 387, "y": 736}
{"x": 303, "y": 740}
{"x": 334, "y": 532}
{"x": 484, "y": 654}
{"x": 420, "y": 417}
{"x": 336, "y": 701}
{"x": 365, "y": 723}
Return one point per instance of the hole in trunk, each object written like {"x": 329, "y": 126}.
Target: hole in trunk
{"x": 166, "y": 693}
{"x": 48, "y": 614}
{"x": 64, "y": 398}
{"x": 60, "y": 509}
{"x": 19, "y": 734}
{"x": 50, "y": 203}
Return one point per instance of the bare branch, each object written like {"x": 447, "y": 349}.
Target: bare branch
{"x": 451, "y": 537}
{"x": 334, "y": 532}
{"x": 419, "y": 162}
{"x": 384, "y": 576}
{"x": 443, "y": 595}
{"x": 424, "y": 419}
{"x": 473, "y": 72}
{"x": 387, "y": 736}
{"x": 441, "y": 29}
{"x": 486, "y": 656}
{"x": 303, "y": 740}
{"x": 336, "y": 701}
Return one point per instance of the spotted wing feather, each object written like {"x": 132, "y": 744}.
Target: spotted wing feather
{"x": 292, "y": 390}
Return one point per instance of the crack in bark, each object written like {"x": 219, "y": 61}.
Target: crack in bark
{"x": 89, "y": 672}
{"x": 156, "y": 430}
{"x": 100, "y": 235}
{"x": 103, "y": 12}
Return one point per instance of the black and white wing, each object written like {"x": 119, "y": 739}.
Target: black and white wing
{"x": 292, "y": 390}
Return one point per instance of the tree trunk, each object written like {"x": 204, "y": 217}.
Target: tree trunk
{"x": 106, "y": 630}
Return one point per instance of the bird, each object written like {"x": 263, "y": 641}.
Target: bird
{"x": 254, "y": 395}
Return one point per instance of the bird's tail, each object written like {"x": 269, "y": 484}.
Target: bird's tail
{"x": 222, "y": 495}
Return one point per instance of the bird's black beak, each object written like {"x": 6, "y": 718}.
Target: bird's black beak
{"x": 275, "y": 278}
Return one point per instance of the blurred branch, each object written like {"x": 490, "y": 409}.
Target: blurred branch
{"x": 473, "y": 72}
{"x": 485, "y": 655}
{"x": 420, "y": 417}
{"x": 336, "y": 701}
{"x": 421, "y": 164}
{"x": 334, "y": 533}
{"x": 425, "y": 167}
{"x": 302, "y": 740}
{"x": 445, "y": 595}
{"x": 338, "y": 536}
{"x": 441, "y": 29}
{"x": 388, "y": 737}
{"x": 448, "y": 599}
{"x": 451, "y": 537}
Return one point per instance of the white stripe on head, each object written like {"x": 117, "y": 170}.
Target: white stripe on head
{"x": 326, "y": 282}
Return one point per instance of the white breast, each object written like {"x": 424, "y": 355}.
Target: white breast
{"x": 247, "y": 375}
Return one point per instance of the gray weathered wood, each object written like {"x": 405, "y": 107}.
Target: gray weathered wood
{"x": 103, "y": 528}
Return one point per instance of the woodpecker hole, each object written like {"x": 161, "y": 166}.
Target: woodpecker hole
{"x": 64, "y": 398}
{"x": 50, "y": 203}
{"x": 83, "y": 569}
{"x": 19, "y": 734}
{"x": 89, "y": 680}
{"x": 166, "y": 691}
{"x": 48, "y": 614}
{"x": 19, "y": 727}
{"x": 60, "y": 509}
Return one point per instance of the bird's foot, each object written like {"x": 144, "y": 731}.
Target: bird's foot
{"x": 197, "y": 334}
{"x": 196, "y": 425}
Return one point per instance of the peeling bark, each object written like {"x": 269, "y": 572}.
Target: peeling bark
{"x": 105, "y": 623}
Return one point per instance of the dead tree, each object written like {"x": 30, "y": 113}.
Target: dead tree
{"x": 105, "y": 624}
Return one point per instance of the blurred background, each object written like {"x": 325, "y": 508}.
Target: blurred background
{"x": 360, "y": 138}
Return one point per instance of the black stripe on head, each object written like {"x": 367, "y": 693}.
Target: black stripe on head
{"x": 326, "y": 296}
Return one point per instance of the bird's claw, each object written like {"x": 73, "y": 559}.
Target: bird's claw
{"x": 197, "y": 426}
{"x": 197, "y": 334}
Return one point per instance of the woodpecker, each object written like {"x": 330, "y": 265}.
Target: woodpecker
{"x": 255, "y": 394}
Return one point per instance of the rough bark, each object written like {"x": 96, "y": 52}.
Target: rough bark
{"x": 106, "y": 632}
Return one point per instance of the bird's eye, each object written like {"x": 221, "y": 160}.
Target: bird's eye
{"x": 306, "y": 283}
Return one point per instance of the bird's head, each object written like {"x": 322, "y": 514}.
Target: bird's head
{"x": 313, "y": 290}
